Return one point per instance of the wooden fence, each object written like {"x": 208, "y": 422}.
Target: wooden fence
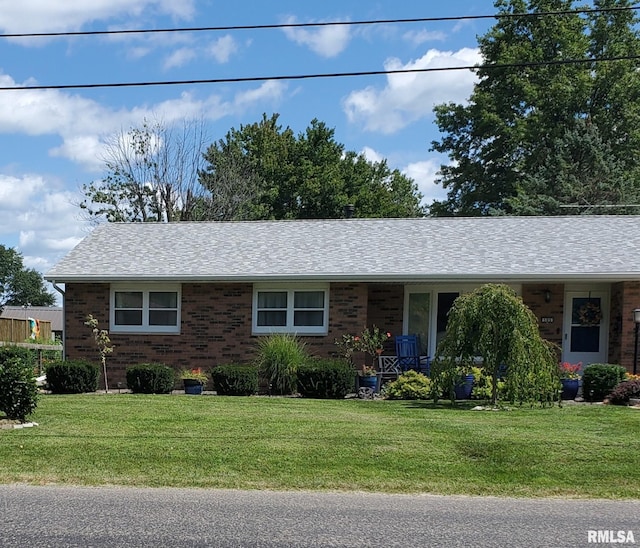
{"x": 19, "y": 331}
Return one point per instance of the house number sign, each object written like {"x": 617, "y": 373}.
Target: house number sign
{"x": 546, "y": 319}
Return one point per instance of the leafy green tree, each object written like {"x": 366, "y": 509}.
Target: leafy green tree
{"x": 493, "y": 323}
{"x": 501, "y": 144}
{"x": 580, "y": 169}
{"x": 303, "y": 177}
{"x": 19, "y": 285}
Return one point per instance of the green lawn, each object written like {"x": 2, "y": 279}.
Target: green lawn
{"x": 589, "y": 451}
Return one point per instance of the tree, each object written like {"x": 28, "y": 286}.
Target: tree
{"x": 492, "y": 322}
{"x": 307, "y": 176}
{"x": 502, "y": 142}
{"x": 152, "y": 175}
{"x": 20, "y": 286}
{"x": 580, "y": 169}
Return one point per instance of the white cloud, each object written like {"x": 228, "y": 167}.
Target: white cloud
{"x": 84, "y": 124}
{"x": 424, "y": 174}
{"x": 372, "y": 155}
{"x": 52, "y": 16}
{"x": 223, "y": 48}
{"x": 15, "y": 194}
{"x": 421, "y": 36}
{"x": 269, "y": 91}
{"x": 326, "y": 41}
{"x": 45, "y": 217}
{"x": 409, "y": 97}
{"x": 179, "y": 58}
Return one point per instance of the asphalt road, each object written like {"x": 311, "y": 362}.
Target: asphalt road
{"x": 42, "y": 517}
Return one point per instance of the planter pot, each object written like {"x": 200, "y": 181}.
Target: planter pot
{"x": 192, "y": 386}
{"x": 368, "y": 382}
{"x": 569, "y": 388}
{"x": 463, "y": 390}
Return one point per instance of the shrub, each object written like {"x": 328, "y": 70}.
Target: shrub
{"x": 150, "y": 378}
{"x": 279, "y": 356}
{"x": 625, "y": 390}
{"x": 26, "y": 355}
{"x": 72, "y": 377}
{"x": 18, "y": 390}
{"x": 326, "y": 378}
{"x": 483, "y": 385}
{"x": 409, "y": 386}
{"x": 601, "y": 378}
{"x": 235, "y": 380}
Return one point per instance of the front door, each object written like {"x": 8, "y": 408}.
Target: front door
{"x": 585, "y": 327}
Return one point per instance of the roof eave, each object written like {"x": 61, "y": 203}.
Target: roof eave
{"x": 335, "y": 277}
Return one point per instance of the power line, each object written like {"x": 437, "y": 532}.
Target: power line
{"x": 318, "y": 75}
{"x": 321, "y": 24}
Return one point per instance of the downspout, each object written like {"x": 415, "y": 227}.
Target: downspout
{"x": 64, "y": 319}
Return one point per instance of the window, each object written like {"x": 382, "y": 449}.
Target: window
{"x": 301, "y": 310}
{"x": 150, "y": 310}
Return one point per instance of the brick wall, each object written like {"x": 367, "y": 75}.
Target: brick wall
{"x": 216, "y": 323}
{"x": 625, "y": 297}
{"x": 533, "y": 295}
{"x": 215, "y": 329}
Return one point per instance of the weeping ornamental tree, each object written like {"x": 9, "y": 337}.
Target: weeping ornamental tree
{"x": 493, "y": 323}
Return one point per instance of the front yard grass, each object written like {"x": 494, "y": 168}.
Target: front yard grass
{"x": 588, "y": 451}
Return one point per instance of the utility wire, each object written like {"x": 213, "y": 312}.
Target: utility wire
{"x": 318, "y": 75}
{"x": 323, "y": 24}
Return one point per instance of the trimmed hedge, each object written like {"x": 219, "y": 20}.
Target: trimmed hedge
{"x": 326, "y": 379}
{"x": 18, "y": 390}
{"x": 72, "y": 377}
{"x": 235, "y": 380}
{"x": 599, "y": 379}
{"x": 150, "y": 378}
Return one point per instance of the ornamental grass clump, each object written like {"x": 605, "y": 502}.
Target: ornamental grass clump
{"x": 492, "y": 322}
{"x": 279, "y": 356}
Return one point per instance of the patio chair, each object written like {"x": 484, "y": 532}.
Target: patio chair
{"x": 407, "y": 352}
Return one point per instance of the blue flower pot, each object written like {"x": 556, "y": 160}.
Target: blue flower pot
{"x": 569, "y": 388}
{"x": 192, "y": 386}
{"x": 463, "y": 390}
{"x": 368, "y": 382}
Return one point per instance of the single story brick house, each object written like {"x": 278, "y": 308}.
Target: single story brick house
{"x": 200, "y": 294}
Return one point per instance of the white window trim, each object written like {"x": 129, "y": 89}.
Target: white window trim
{"x": 145, "y": 289}
{"x": 289, "y": 327}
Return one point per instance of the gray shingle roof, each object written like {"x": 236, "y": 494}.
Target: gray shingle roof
{"x": 485, "y": 248}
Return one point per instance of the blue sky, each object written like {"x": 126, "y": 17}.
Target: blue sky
{"x": 51, "y": 141}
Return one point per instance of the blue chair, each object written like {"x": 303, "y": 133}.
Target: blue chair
{"x": 408, "y": 355}
{"x": 407, "y": 352}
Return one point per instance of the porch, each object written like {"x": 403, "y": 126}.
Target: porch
{"x": 589, "y": 323}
